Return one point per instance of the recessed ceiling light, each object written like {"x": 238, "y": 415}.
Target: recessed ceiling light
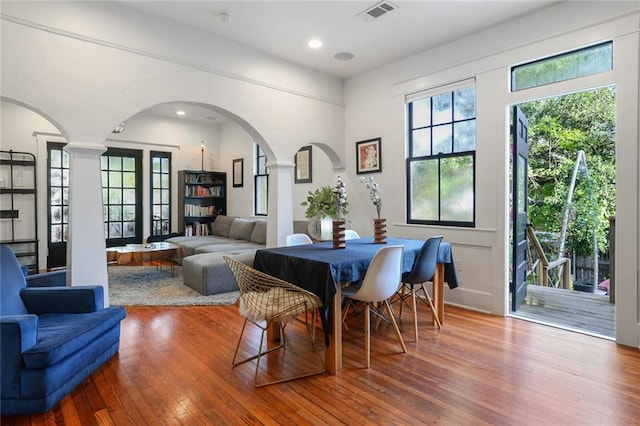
{"x": 314, "y": 43}
{"x": 343, "y": 56}
{"x": 181, "y": 112}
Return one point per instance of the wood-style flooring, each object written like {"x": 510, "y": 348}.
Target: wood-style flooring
{"x": 588, "y": 312}
{"x": 174, "y": 368}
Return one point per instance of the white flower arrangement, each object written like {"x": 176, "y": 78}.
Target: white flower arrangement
{"x": 341, "y": 191}
{"x": 374, "y": 193}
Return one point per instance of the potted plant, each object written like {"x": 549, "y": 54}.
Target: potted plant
{"x": 322, "y": 208}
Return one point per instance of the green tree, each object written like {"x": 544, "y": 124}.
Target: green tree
{"x": 559, "y": 128}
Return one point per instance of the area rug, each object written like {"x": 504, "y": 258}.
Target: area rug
{"x": 152, "y": 286}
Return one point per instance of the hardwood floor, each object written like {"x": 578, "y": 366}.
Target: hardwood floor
{"x": 174, "y": 367}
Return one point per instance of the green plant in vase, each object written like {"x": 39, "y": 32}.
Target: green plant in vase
{"x": 324, "y": 204}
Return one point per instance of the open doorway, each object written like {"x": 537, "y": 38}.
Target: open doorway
{"x": 568, "y": 201}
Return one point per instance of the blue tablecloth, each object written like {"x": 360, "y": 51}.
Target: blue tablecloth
{"x": 319, "y": 268}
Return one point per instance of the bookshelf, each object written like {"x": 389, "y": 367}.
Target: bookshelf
{"x": 202, "y": 196}
{"x": 18, "y": 206}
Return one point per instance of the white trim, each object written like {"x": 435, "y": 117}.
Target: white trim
{"x": 450, "y": 87}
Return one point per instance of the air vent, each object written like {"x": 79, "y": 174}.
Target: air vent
{"x": 376, "y": 11}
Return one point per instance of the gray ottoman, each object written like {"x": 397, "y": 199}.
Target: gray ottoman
{"x": 209, "y": 274}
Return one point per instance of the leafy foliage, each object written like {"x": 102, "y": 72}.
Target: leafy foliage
{"x": 559, "y": 128}
{"x": 323, "y": 202}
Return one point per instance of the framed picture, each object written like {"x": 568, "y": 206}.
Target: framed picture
{"x": 238, "y": 172}
{"x": 369, "y": 156}
{"x": 303, "y": 165}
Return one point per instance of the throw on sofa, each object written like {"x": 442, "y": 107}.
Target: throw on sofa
{"x": 51, "y": 338}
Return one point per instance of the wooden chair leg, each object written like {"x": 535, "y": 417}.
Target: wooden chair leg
{"x": 395, "y": 326}
{"x": 433, "y": 309}
{"x": 367, "y": 335}
{"x": 415, "y": 312}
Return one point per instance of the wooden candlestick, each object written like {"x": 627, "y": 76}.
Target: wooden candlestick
{"x": 379, "y": 231}
{"x": 339, "y": 241}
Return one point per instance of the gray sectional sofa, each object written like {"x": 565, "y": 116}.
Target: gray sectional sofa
{"x": 204, "y": 268}
{"x": 203, "y": 265}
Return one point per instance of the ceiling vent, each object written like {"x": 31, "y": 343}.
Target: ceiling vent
{"x": 376, "y": 11}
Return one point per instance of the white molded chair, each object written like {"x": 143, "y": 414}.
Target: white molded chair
{"x": 272, "y": 300}
{"x": 298, "y": 240}
{"x": 424, "y": 268}
{"x": 350, "y": 234}
{"x": 379, "y": 284}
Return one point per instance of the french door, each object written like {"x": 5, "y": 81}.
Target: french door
{"x": 58, "y": 202}
{"x": 122, "y": 196}
{"x": 520, "y": 134}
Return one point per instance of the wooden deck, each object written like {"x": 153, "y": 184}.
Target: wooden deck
{"x": 591, "y": 313}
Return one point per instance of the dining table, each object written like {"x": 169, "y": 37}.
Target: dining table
{"x": 323, "y": 270}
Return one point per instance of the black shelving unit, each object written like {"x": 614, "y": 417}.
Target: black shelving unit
{"x": 19, "y": 206}
{"x": 202, "y": 195}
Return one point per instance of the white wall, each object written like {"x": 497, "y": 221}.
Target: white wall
{"x": 375, "y": 107}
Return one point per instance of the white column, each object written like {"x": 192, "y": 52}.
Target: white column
{"x": 86, "y": 256}
{"x": 280, "y": 217}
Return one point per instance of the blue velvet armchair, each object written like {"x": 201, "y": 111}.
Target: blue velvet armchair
{"x": 51, "y": 338}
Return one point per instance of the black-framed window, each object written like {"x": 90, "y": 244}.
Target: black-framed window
{"x": 441, "y": 157}
{"x": 261, "y": 182}
{"x": 122, "y": 196}
{"x": 160, "y": 193}
{"x": 565, "y": 66}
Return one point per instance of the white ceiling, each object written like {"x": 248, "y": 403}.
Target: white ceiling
{"x": 283, "y": 28}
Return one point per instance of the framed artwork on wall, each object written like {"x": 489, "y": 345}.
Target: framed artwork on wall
{"x": 369, "y": 156}
{"x": 238, "y": 172}
{"x": 303, "y": 165}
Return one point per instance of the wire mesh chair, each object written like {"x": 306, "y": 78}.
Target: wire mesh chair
{"x": 274, "y": 301}
{"x": 424, "y": 268}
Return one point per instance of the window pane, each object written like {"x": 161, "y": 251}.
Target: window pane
{"x": 164, "y": 165}
{"x": 115, "y": 163}
{"x": 128, "y": 164}
{"x": 464, "y": 136}
{"x": 457, "y": 196}
{"x": 128, "y": 180}
{"x": 115, "y": 196}
{"x": 104, "y": 163}
{"x": 115, "y": 179}
{"x": 156, "y": 196}
{"x": 422, "y": 142}
{"x": 164, "y": 196}
{"x": 129, "y": 212}
{"x": 261, "y": 195}
{"x": 56, "y": 161}
{"x": 65, "y": 177}
{"x": 464, "y": 103}
{"x": 115, "y": 230}
{"x": 442, "y": 108}
{"x": 56, "y": 196}
{"x": 424, "y": 190}
{"x": 578, "y": 63}
{"x": 442, "y": 139}
{"x": 155, "y": 165}
{"x": 129, "y": 196}
{"x": 56, "y": 214}
{"x": 56, "y": 177}
{"x": 164, "y": 181}
{"x": 56, "y": 233}
{"x": 165, "y": 212}
{"x": 115, "y": 213}
{"x": 65, "y": 163}
{"x": 155, "y": 181}
{"x": 421, "y": 113}
{"x": 129, "y": 229}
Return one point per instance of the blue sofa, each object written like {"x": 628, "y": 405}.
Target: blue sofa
{"x": 51, "y": 338}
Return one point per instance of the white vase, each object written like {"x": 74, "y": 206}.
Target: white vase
{"x": 320, "y": 228}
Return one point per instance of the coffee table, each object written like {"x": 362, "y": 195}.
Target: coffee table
{"x": 144, "y": 254}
